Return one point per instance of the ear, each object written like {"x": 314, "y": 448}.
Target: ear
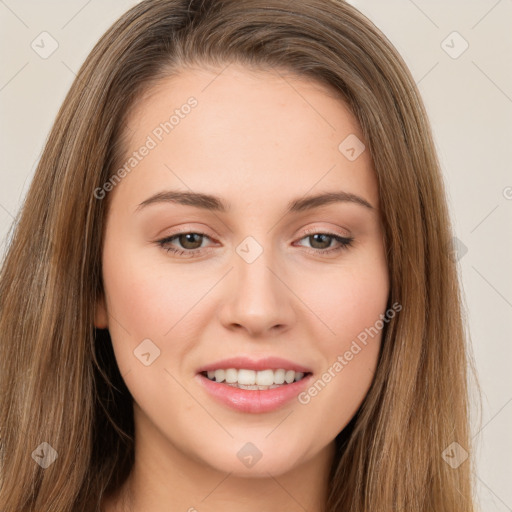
{"x": 100, "y": 316}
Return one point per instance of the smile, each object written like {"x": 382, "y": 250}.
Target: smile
{"x": 252, "y": 379}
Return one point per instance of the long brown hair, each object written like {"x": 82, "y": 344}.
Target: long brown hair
{"x": 59, "y": 380}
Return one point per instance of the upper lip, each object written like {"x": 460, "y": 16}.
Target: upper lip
{"x": 243, "y": 362}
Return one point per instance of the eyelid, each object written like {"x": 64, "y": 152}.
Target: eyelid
{"x": 327, "y": 231}
{"x": 306, "y": 232}
{"x": 187, "y": 229}
{"x": 344, "y": 243}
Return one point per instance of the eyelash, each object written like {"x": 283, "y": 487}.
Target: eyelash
{"x": 345, "y": 242}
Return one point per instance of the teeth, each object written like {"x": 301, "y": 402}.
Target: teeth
{"x": 263, "y": 378}
{"x": 289, "y": 376}
{"x": 279, "y": 376}
{"x": 251, "y": 379}
{"x": 247, "y": 377}
{"x": 231, "y": 375}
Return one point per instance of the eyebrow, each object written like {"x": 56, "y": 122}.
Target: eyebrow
{"x": 217, "y": 204}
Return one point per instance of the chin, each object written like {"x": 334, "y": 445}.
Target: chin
{"x": 260, "y": 469}
{"x": 257, "y": 458}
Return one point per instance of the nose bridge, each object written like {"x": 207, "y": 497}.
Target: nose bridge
{"x": 258, "y": 300}
{"x": 255, "y": 282}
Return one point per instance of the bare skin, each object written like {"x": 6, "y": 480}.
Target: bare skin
{"x": 257, "y": 141}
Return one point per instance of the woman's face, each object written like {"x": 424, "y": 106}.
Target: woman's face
{"x": 265, "y": 271}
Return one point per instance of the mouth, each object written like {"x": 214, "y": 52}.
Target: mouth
{"x": 255, "y": 380}
{"x": 253, "y": 391}
{"x": 254, "y": 386}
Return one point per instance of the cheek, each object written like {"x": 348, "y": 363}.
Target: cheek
{"x": 136, "y": 309}
{"x": 144, "y": 295}
{"x": 133, "y": 300}
{"x": 335, "y": 395}
{"x": 145, "y": 301}
{"x": 351, "y": 305}
{"x": 347, "y": 299}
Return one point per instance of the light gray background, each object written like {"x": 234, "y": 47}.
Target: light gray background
{"x": 469, "y": 101}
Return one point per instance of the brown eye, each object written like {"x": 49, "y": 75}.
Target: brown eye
{"x": 320, "y": 243}
{"x": 190, "y": 240}
{"x": 184, "y": 244}
{"x": 321, "y": 240}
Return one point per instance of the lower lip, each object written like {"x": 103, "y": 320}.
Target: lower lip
{"x": 253, "y": 400}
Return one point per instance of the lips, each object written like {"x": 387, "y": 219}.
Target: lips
{"x": 248, "y": 399}
{"x": 266, "y": 363}
{"x": 253, "y": 401}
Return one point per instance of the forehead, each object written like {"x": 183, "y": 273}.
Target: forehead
{"x": 256, "y": 130}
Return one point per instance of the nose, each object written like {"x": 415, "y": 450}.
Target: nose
{"x": 256, "y": 298}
